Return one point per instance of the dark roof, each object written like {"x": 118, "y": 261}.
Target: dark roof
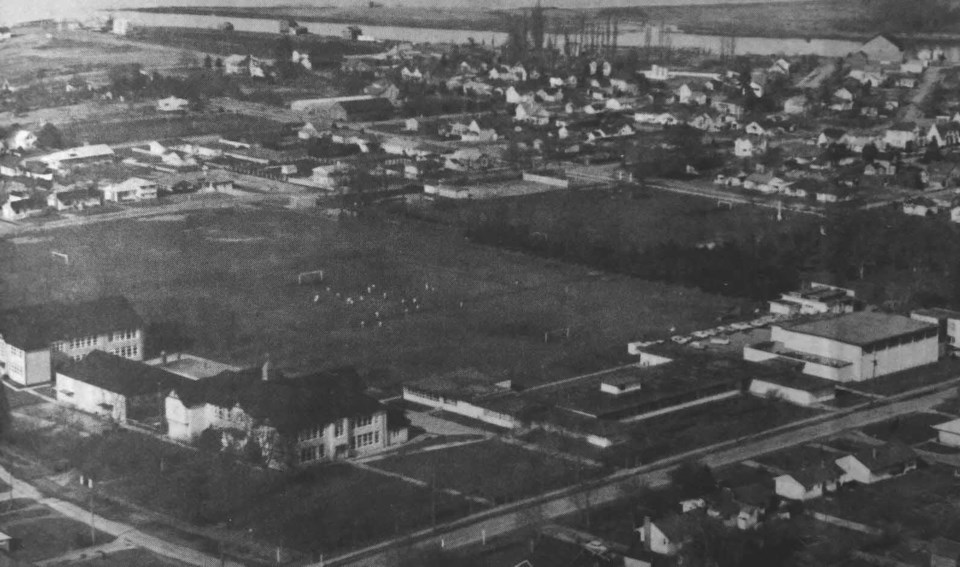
{"x": 862, "y": 328}
{"x": 885, "y": 457}
{"x": 367, "y": 109}
{"x": 289, "y": 404}
{"x": 813, "y": 475}
{"x": 834, "y": 133}
{"x": 756, "y": 494}
{"x": 120, "y": 375}
{"x": 76, "y": 195}
{"x": 896, "y": 42}
{"x": 37, "y": 326}
{"x": 31, "y": 204}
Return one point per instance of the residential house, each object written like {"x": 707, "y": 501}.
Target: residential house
{"x": 946, "y": 134}
{"x": 532, "y": 113}
{"x": 757, "y": 181}
{"x": 30, "y": 335}
{"x": 727, "y": 107}
{"x": 883, "y": 48}
{"x": 5, "y": 33}
{"x": 754, "y": 502}
{"x": 796, "y": 105}
{"x": 235, "y": 64}
{"x": 705, "y": 122}
{"x": 132, "y": 189}
{"x": 906, "y": 82}
{"x": 73, "y": 200}
{"x": 920, "y": 207}
{"x": 114, "y": 387}
{"x": 755, "y": 129}
{"x": 874, "y": 464}
{"x": 383, "y": 88}
{"x": 830, "y": 137}
{"x": 665, "y": 536}
{"x": 913, "y": 67}
{"x": 948, "y": 433}
{"x": 20, "y": 140}
{"x": 10, "y": 165}
{"x": 903, "y": 136}
{"x": 328, "y": 176}
{"x": 290, "y": 422}
{"x": 808, "y": 482}
{"x": 172, "y": 104}
{"x": 749, "y": 146}
{"x": 20, "y": 209}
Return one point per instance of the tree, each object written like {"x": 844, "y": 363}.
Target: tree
{"x": 693, "y": 479}
{"x": 208, "y": 62}
{"x": 50, "y": 137}
{"x": 218, "y": 63}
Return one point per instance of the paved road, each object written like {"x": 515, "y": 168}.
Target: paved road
{"x": 510, "y": 518}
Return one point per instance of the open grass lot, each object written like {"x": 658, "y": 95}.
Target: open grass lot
{"x": 223, "y": 284}
{"x": 910, "y": 429}
{"x": 49, "y": 536}
{"x": 682, "y": 431}
{"x": 639, "y": 218}
{"x": 925, "y": 503}
{"x": 492, "y": 470}
{"x": 338, "y": 506}
{"x": 71, "y": 52}
{"x": 126, "y": 558}
{"x": 909, "y": 379}
{"x": 326, "y": 508}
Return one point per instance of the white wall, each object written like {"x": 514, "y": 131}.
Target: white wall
{"x": 462, "y": 408}
{"x": 87, "y": 397}
{"x": 947, "y": 438}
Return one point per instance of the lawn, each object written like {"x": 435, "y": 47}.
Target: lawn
{"x": 223, "y": 284}
{"x": 682, "y": 431}
{"x": 910, "y": 429}
{"x": 338, "y": 506}
{"x": 493, "y": 470}
{"x": 48, "y": 537}
{"x": 925, "y": 503}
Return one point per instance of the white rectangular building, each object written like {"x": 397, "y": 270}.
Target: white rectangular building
{"x": 852, "y": 347}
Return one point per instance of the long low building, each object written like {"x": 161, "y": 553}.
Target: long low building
{"x": 852, "y": 347}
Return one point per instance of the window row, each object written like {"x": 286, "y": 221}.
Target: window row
{"x": 312, "y": 433}
{"x": 365, "y": 439}
{"x": 127, "y": 351}
{"x": 364, "y": 421}
{"x": 124, "y": 335}
{"x": 310, "y": 454}
{"x": 83, "y": 342}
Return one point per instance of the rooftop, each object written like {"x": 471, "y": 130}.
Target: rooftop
{"x": 467, "y": 384}
{"x": 949, "y": 427}
{"x": 288, "y": 404}
{"x": 937, "y": 313}
{"x": 37, "y": 326}
{"x": 863, "y": 328}
{"x": 120, "y": 375}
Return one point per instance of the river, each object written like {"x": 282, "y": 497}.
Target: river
{"x": 636, "y": 37}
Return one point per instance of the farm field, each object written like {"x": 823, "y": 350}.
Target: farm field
{"x": 223, "y": 284}
{"x": 153, "y": 127}
{"x": 493, "y": 470}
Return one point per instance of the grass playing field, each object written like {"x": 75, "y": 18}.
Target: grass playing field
{"x": 225, "y": 285}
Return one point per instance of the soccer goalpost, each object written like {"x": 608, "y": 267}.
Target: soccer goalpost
{"x": 310, "y": 277}
{"x": 61, "y": 256}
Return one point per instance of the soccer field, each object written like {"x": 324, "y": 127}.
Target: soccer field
{"x": 398, "y": 300}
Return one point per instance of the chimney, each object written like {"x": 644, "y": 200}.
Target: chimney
{"x": 265, "y": 374}
{"x": 647, "y": 534}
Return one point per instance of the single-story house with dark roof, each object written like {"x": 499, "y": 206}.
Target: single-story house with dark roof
{"x": 809, "y": 482}
{"x": 76, "y": 199}
{"x": 873, "y": 464}
{"x": 115, "y": 387}
{"x": 30, "y": 335}
{"x": 292, "y": 421}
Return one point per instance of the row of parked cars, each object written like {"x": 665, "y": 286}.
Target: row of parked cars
{"x": 717, "y": 335}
